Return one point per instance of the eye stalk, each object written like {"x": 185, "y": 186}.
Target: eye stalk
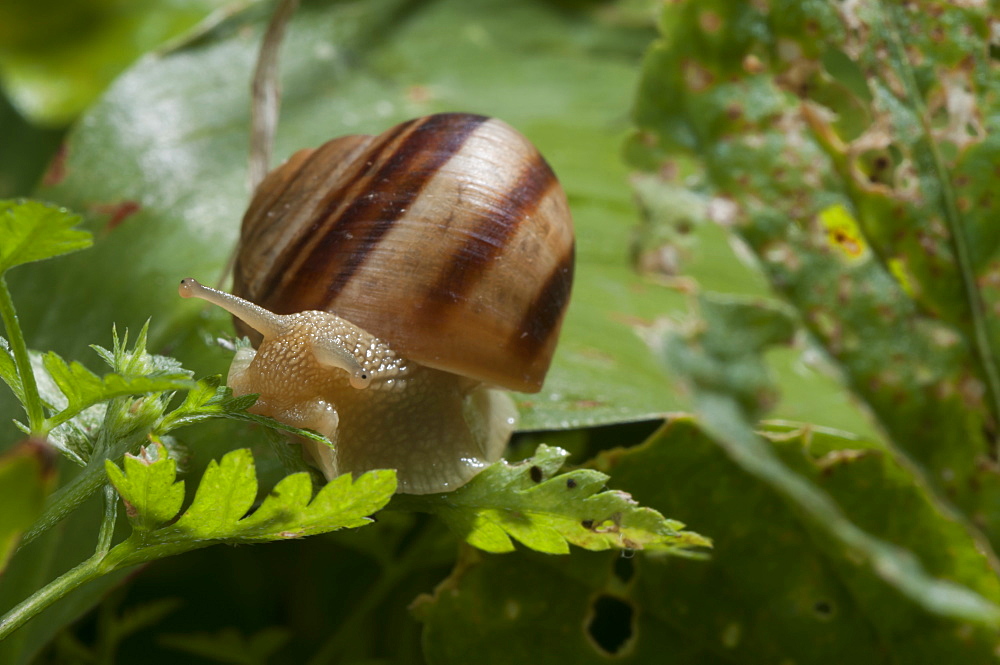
{"x": 266, "y": 323}
{"x": 329, "y": 351}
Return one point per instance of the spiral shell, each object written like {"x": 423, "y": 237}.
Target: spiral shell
{"x": 448, "y": 236}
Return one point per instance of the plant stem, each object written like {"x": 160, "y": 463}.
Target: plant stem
{"x": 32, "y": 401}
{"x": 89, "y": 570}
{"x": 108, "y": 523}
{"x": 66, "y": 499}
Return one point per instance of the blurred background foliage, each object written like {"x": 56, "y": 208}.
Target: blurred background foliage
{"x": 771, "y": 202}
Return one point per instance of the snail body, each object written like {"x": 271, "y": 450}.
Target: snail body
{"x": 394, "y": 284}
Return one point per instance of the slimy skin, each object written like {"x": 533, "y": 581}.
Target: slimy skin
{"x": 315, "y": 370}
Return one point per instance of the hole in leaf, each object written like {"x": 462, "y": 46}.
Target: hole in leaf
{"x": 823, "y": 609}
{"x": 610, "y": 625}
{"x": 624, "y": 568}
{"x": 536, "y": 473}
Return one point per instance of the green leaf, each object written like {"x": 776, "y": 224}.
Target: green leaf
{"x": 84, "y": 389}
{"x": 223, "y": 498}
{"x": 557, "y": 57}
{"x": 825, "y": 143}
{"x": 8, "y": 371}
{"x": 548, "y": 512}
{"x": 774, "y": 587}
{"x": 54, "y": 64}
{"x": 135, "y": 360}
{"x": 32, "y": 231}
{"x": 27, "y": 475}
{"x": 729, "y": 382}
{"x": 151, "y": 496}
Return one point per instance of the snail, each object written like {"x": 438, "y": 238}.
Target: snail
{"x": 395, "y": 286}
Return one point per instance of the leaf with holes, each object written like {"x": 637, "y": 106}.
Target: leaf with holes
{"x": 852, "y": 148}
{"x": 775, "y": 588}
{"x": 547, "y": 512}
{"x": 729, "y": 381}
{"x": 84, "y": 389}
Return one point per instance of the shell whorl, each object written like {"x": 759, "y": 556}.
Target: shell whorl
{"x": 447, "y": 236}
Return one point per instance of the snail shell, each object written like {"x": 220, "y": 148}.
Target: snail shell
{"x": 448, "y": 236}
{"x": 391, "y": 283}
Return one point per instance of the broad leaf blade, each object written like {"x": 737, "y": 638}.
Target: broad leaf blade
{"x": 53, "y": 85}
{"x": 829, "y": 137}
{"x": 730, "y": 384}
{"x": 774, "y": 588}
{"x": 32, "y": 231}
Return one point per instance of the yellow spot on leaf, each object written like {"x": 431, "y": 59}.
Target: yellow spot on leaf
{"x": 842, "y": 231}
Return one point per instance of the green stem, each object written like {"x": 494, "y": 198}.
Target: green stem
{"x": 67, "y": 498}
{"x": 108, "y": 523}
{"x": 89, "y": 570}
{"x": 32, "y": 401}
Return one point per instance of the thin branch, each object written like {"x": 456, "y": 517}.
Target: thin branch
{"x": 266, "y": 94}
{"x": 32, "y": 400}
{"x": 265, "y": 104}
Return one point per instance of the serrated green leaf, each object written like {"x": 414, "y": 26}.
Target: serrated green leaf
{"x": 147, "y": 487}
{"x": 32, "y": 231}
{"x": 548, "y": 512}
{"x": 774, "y": 588}
{"x": 226, "y": 492}
{"x": 83, "y": 388}
{"x": 225, "y": 495}
{"x": 135, "y": 360}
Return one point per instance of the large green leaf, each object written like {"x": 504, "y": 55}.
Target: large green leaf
{"x": 55, "y": 62}
{"x": 159, "y": 167}
{"x": 774, "y": 589}
{"x": 845, "y": 146}
{"x": 337, "y": 80}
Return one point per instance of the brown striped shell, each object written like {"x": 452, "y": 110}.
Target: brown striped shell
{"x": 447, "y": 236}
